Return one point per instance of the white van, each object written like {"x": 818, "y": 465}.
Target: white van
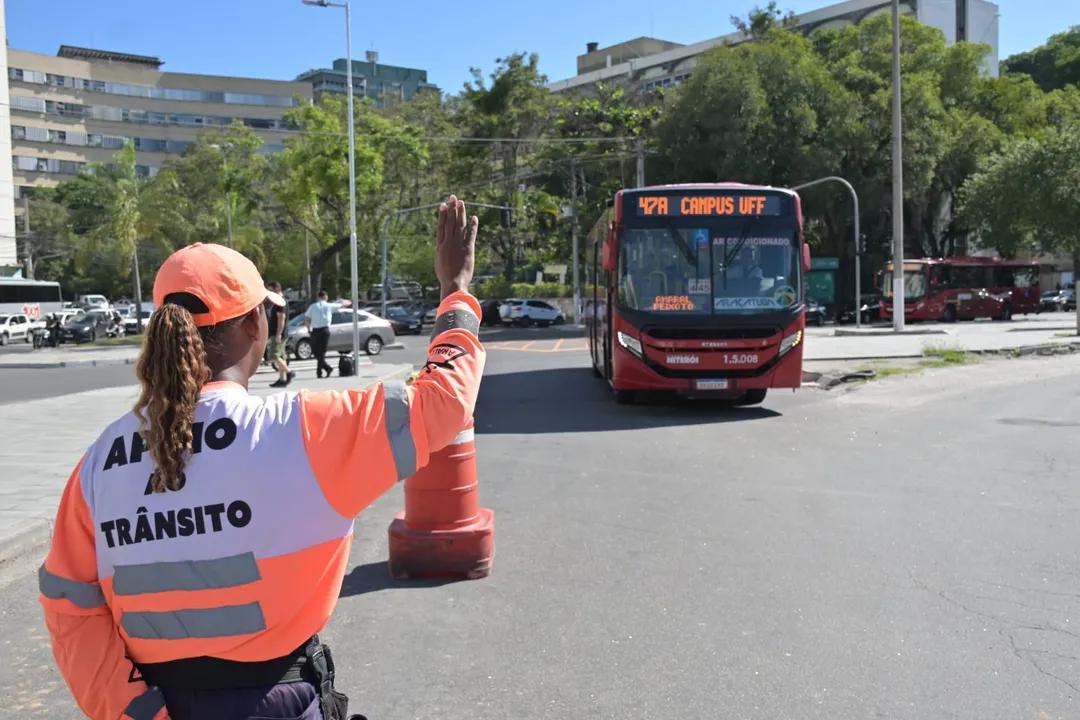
{"x": 99, "y": 302}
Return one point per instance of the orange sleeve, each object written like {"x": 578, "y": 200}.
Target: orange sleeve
{"x": 362, "y": 442}
{"x": 86, "y": 643}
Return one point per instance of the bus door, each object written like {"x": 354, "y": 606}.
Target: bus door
{"x": 937, "y": 291}
{"x": 970, "y": 291}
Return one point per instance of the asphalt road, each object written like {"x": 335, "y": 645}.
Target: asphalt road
{"x": 903, "y": 550}
{"x": 19, "y": 385}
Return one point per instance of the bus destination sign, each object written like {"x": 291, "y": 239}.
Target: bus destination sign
{"x": 707, "y": 205}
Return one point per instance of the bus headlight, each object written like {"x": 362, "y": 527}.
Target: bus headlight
{"x": 630, "y": 343}
{"x": 789, "y": 342}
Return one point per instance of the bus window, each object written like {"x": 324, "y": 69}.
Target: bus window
{"x": 964, "y": 277}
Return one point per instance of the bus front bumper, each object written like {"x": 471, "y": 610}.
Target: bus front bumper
{"x": 632, "y": 373}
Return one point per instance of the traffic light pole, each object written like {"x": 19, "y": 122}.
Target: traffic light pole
{"x": 858, "y": 239}
{"x": 385, "y": 244}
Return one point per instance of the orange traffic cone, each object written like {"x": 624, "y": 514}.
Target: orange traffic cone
{"x": 444, "y": 533}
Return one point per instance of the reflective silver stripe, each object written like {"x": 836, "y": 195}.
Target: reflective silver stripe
{"x": 226, "y": 621}
{"x": 464, "y": 436}
{"x": 84, "y": 595}
{"x": 145, "y": 706}
{"x": 214, "y": 574}
{"x": 451, "y": 319}
{"x": 402, "y": 447}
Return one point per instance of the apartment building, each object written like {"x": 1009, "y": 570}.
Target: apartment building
{"x": 372, "y": 80}
{"x": 647, "y": 63}
{"x": 82, "y": 105}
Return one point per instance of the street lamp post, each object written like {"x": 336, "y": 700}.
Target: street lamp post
{"x": 224, "y": 148}
{"x": 406, "y": 211}
{"x": 858, "y": 238}
{"x": 353, "y": 253}
{"x": 898, "y": 290}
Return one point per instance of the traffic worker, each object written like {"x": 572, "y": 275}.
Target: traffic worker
{"x": 201, "y": 542}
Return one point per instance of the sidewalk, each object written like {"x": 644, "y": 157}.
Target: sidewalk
{"x": 47, "y": 358}
{"x": 828, "y": 343}
{"x": 52, "y": 434}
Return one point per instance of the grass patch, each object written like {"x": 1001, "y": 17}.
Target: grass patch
{"x": 942, "y": 356}
{"x": 1067, "y": 333}
{"x": 890, "y": 371}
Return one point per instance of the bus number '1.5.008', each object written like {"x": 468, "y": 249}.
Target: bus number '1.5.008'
{"x": 740, "y": 359}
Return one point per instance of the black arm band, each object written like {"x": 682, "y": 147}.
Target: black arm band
{"x": 456, "y": 319}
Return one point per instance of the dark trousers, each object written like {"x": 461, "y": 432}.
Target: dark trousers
{"x": 295, "y": 701}
{"x": 320, "y": 338}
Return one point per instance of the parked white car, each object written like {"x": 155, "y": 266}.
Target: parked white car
{"x": 15, "y": 327}
{"x": 130, "y": 321}
{"x": 530, "y": 312}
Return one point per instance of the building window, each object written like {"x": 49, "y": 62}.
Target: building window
{"x": 18, "y": 132}
{"x": 144, "y": 117}
{"x": 19, "y": 102}
{"x": 152, "y": 92}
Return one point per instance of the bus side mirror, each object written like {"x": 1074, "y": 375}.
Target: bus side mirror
{"x": 806, "y": 258}
{"x": 609, "y": 255}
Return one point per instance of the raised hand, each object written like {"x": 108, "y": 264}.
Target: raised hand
{"x": 455, "y": 246}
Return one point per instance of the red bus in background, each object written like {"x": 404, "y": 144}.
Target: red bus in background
{"x": 698, "y": 290}
{"x": 964, "y": 288}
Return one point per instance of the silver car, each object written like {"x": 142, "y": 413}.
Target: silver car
{"x": 375, "y": 333}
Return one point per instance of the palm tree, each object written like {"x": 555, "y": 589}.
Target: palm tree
{"x": 135, "y": 209}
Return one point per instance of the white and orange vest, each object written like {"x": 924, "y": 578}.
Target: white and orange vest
{"x": 245, "y": 561}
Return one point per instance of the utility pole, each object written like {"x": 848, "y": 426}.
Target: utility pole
{"x": 224, "y": 148}
{"x": 138, "y": 288}
{"x": 29, "y": 239}
{"x": 641, "y": 162}
{"x": 897, "y": 179}
{"x": 574, "y": 238}
{"x": 307, "y": 264}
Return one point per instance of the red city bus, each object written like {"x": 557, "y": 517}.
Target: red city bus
{"x": 698, "y": 289}
{"x": 964, "y": 288}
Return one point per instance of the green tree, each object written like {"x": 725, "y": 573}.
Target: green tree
{"x": 1054, "y": 64}
{"x": 220, "y": 167}
{"x": 312, "y": 185}
{"x": 134, "y": 211}
{"x": 515, "y": 105}
{"x": 1024, "y": 197}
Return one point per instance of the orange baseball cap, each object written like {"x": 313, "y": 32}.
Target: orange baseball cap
{"x": 224, "y": 280}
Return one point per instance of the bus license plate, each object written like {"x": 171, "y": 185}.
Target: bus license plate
{"x": 711, "y": 384}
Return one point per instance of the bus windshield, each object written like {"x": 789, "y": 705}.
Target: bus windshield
{"x": 731, "y": 268}
{"x": 914, "y": 284}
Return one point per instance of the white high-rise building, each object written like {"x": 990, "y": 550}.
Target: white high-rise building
{"x": 8, "y": 259}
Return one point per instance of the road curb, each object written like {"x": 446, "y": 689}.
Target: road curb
{"x": 864, "y": 358}
{"x": 840, "y": 332}
{"x": 26, "y": 538}
{"x": 67, "y": 364}
{"x": 1055, "y": 328}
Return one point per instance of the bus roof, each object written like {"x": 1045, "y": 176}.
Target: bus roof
{"x": 706, "y": 186}
{"x": 26, "y": 281}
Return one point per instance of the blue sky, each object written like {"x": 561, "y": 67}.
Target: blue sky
{"x": 282, "y": 38}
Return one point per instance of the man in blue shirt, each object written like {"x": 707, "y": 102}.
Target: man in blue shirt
{"x": 317, "y": 321}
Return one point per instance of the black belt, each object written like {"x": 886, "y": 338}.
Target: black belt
{"x": 209, "y": 673}
{"x": 312, "y": 662}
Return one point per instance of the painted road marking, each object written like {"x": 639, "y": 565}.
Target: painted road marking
{"x": 540, "y": 346}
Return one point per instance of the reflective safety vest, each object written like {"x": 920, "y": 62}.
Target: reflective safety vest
{"x": 245, "y": 561}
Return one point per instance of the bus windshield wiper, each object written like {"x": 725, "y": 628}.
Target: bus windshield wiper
{"x": 684, "y": 248}
{"x": 729, "y": 256}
